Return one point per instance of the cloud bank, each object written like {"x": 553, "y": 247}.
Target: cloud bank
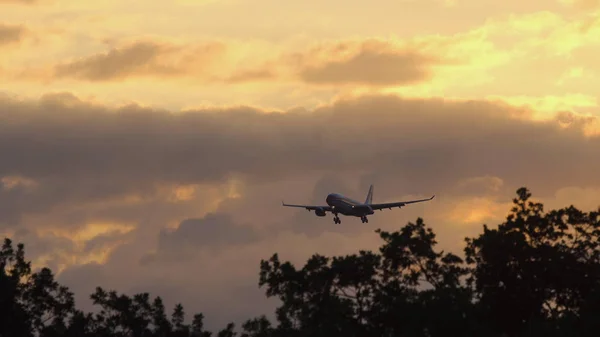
{"x": 161, "y": 201}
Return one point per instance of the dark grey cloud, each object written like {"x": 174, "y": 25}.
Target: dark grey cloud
{"x": 80, "y": 153}
{"x": 213, "y": 231}
{"x": 47, "y": 247}
{"x": 38, "y": 245}
{"x": 223, "y": 288}
{"x": 86, "y": 160}
{"x": 102, "y": 240}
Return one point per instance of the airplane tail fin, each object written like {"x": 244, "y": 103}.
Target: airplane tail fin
{"x": 369, "y": 199}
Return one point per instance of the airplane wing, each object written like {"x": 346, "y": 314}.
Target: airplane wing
{"x": 398, "y": 204}
{"x": 308, "y": 207}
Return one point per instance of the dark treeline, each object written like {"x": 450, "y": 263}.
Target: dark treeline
{"x": 536, "y": 274}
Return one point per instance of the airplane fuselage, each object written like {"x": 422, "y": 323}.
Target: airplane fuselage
{"x": 346, "y": 206}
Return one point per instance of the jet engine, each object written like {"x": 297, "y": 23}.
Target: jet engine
{"x": 320, "y": 212}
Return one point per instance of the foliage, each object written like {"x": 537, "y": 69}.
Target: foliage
{"x": 536, "y": 274}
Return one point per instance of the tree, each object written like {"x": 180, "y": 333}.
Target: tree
{"x": 198, "y": 327}
{"x": 258, "y": 327}
{"x": 536, "y": 274}
{"x": 121, "y": 315}
{"x": 34, "y": 304}
{"x": 537, "y": 269}
{"x": 30, "y": 303}
{"x": 373, "y": 294}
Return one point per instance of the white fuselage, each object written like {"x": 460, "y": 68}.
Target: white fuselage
{"x": 346, "y": 206}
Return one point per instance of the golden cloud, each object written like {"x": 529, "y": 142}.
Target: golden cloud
{"x": 370, "y": 62}
{"x": 143, "y": 58}
{"x": 92, "y": 243}
{"x": 375, "y": 62}
{"x": 27, "y": 2}
{"x": 476, "y": 211}
{"x": 544, "y": 107}
{"x": 582, "y": 4}
{"x": 544, "y": 31}
{"x": 253, "y": 75}
{"x": 480, "y": 185}
{"x": 421, "y": 61}
{"x": 476, "y": 61}
{"x": 11, "y": 34}
{"x": 10, "y": 182}
{"x": 589, "y": 124}
{"x": 88, "y": 232}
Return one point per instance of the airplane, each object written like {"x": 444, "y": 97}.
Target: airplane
{"x": 339, "y": 204}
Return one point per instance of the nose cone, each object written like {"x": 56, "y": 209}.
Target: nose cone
{"x": 329, "y": 198}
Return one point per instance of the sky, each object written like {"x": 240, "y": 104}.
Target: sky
{"x": 147, "y": 145}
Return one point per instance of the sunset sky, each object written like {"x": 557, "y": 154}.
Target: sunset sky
{"x": 147, "y": 145}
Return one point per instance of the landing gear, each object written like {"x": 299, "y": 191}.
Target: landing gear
{"x": 337, "y": 219}
{"x": 364, "y": 219}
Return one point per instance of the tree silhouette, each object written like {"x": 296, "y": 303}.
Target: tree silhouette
{"x": 31, "y": 303}
{"x": 406, "y": 289}
{"x": 536, "y": 274}
{"x": 538, "y": 270}
{"x": 34, "y": 304}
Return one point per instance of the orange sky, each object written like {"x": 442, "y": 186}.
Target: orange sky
{"x": 135, "y": 132}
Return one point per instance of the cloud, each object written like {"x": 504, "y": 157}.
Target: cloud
{"x": 582, "y": 4}
{"x": 145, "y": 199}
{"x": 214, "y": 230}
{"x": 185, "y": 203}
{"x": 80, "y": 152}
{"x": 471, "y": 63}
{"x": 142, "y": 58}
{"x": 374, "y": 62}
{"x": 371, "y": 62}
{"x": 10, "y": 34}
{"x": 222, "y": 285}
{"x": 26, "y": 2}
{"x": 252, "y": 75}
{"x": 480, "y": 185}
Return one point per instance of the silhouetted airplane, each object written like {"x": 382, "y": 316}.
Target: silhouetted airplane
{"x": 339, "y": 204}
